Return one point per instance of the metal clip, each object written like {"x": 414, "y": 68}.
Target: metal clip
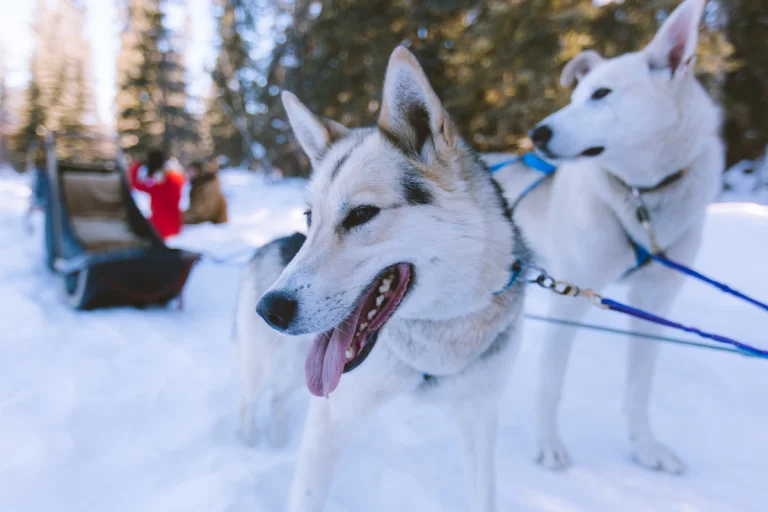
{"x": 644, "y": 218}
{"x": 595, "y": 298}
{"x": 559, "y": 287}
{"x": 566, "y": 289}
{"x": 545, "y": 281}
{"x": 642, "y": 214}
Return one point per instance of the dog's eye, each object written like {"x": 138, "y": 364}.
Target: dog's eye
{"x": 601, "y": 93}
{"x": 360, "y": 216}
{"x": 308, "y": 215}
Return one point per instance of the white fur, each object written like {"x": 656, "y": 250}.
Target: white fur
{"x": 450, "y": 326}
{"x": 656, "y": 121}
{"x": 580, "y": 66}
{"x": 315, "y": 134}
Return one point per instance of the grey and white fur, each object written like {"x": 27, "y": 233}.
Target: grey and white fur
{"x": 429, "y": 202}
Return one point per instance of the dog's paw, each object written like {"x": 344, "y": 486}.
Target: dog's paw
{"x": 553, "y": 455}
{"x": 657, "y": 457}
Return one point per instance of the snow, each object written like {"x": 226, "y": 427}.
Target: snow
{"x": 127, "y": 410}
{"x": 747, "y": 181}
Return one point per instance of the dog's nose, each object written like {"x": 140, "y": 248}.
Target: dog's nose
{"x": 278, "y": 309}
{"x": 541, "y": 135}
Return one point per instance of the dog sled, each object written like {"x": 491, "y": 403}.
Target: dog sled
{"x": 98, "y": 241}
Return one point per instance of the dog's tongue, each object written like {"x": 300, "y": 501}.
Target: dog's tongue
{"x": 326, "y": 358}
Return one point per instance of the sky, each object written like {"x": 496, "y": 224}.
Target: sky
{"x": 16, "y": 38}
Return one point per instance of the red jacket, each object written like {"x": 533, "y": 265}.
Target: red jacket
{"x": 165, "y": 196}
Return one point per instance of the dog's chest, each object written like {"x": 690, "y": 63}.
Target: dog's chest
{"x": 672, "y": 210}
{"x": 447, "y": 347}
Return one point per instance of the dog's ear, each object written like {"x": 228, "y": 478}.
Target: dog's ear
{"x": 315, "y": 134}
{"x": 411, "y": 112}
{"x": 579, "y": 67}
{"x": 674, "y": 46}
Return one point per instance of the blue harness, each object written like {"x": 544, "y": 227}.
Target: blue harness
{"x": 534, "y": 161}
{"x": 531, "y": 160}
{"x": 642, "y": 257}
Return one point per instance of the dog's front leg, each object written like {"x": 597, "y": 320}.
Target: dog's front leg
{"x": 331, "y": 421}
{"x": 317, "y": 459}
{"x": 554, "y": 360}
{"x": 477, "y": 420}
{"x": 652, "y": 291}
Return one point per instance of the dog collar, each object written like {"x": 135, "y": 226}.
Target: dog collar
{"x": 669, "y": 180}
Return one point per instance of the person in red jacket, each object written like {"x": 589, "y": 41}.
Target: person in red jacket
{"x": 164, "y": 189}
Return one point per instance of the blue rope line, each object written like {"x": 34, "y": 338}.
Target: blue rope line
{"x": 563, "y": 288}
{"x": 644, "y": 315}
{"x": 531, "y": 160}
{"x": 635, "y": 334}
{"x": 701, "y": 277}
{"x": 499, "y": 166}
{"x": 533, "y": 186}
{"x": 535, "y": 162}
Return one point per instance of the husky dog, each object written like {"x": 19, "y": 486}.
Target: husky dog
{"x": 639, "y": 120}
{"x": 409, "y": 243}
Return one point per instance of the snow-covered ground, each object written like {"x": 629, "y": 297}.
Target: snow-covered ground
{"x": 127, "y": 410}
{"x": 747, "y": 181}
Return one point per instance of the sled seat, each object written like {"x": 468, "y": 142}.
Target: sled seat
{"x": 97, "y": 211}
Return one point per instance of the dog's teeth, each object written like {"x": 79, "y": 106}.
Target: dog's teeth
{"x": 379, "y": 300}
{"x": 371, "y": 314}
{"x": 349, "y": 353}
{"x": 385, "y": 283}
{"x": 362, "y": 326}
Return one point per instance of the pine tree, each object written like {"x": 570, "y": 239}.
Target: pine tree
{"x": 336, "y": 72}
{"x": 4, "y": 121}
{"x": 746, "y": 85}
{"x": 495, "y": 63}
{"x": 74, "y": 109}
{"x": 231, "y": 105}
{"x": 60, "y": 94}
{"x": 152, "y": 96}
{"x": 185, "y": 132}
{"x": 504, "y": 67}
{"x": 32, "y": 112}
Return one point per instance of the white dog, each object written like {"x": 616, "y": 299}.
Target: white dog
{"x": 405, "y": 272}
{"x": 639, "y": 120}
